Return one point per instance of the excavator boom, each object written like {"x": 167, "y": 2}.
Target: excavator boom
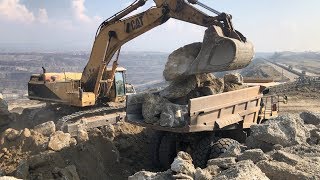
{"x": 118, "y": 30}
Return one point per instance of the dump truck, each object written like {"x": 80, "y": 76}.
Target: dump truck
{"x": 213, "y": 123}
{"x": 100, "y": 88}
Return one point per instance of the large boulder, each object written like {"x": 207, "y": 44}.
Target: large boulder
{"x": 245, "y": 170}
{"x": 286, "y": 130}
{"x": 234, "y": 78}
{"x": 280, "y": 170}
{"x": 233, "y": 82}
{"x": 254, "y": 155}
{"x": 209, "y": 85}
{"x": 143, "y": 175}
{"x": 46, "y": 128}
{"x": 22, "y": 170}
{"x": 152, "y": 108}
{"x": 286, "y": 157}
{"x": 183, "y": 164}
{"x": 173, "y": 115}
{"x": 3, "y": 106}
{"x": 310, "y": 117}
{"x": 11, "y": 134}
{"x": 82, "y": 136}
{"x": 223, "y": 163}
{"x": 8, "y": 178}
{"x": 69, "y": 172}
{"x": 5, "y": 117}
{"x": 59, "y": 140}
{"x": 180, "y": 60}
{"x": 179, "y": 87}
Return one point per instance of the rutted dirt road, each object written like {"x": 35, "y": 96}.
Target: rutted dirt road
{"x": 286, "y": 73}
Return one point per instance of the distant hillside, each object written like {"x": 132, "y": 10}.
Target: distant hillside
{"x": 296, "y": 56}
{"x": 308, "y": 61}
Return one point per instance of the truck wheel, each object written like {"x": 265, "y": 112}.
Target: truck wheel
{"x": 154, "y": 147}
{"x": 221, "y": 146}
{"x": 201, "y": 153}
{"x": 167, "y": 150}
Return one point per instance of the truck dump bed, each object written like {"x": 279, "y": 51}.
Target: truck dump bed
{"x": 231, "y": 110}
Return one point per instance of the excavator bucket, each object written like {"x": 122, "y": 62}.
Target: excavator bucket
{"x": 219, "y": 53}
{"x": 215, "y": 54}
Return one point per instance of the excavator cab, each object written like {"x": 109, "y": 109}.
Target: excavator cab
{"x": 118, "y": 90}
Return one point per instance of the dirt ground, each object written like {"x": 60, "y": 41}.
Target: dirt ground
{"x": 300, "y": 98}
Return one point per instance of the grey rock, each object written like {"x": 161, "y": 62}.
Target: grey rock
{"x": 82, "y": 136}
{"x": 180, "y": 60}
{"x": 145, "y": 175}
{"x": 224, "y": 163}
{"x": 11, "y": 134}
{"x": 277, "y": 147}
{"x": 213, "y": 169}
{"x": 202, "y": 174}
{"x": 152, "y": 108}
{"x": 173, "y": 115}
{"x": 142, "y": 175}
{"x": 110, "y": 131}
{"x": 286, "y": 130}
{"x": 234, "y": 78}
{"x": 233, "y": 151}
{"x": 26, "y": 133}
{"x": 59, "y": 140}
{"x": 244, "y": 170}
{"x": 286, "y": 157}
{"x": 232, "y": 87}
{"x": 183, "y": 164}
{"x": 209, "y": 85}
{"x": 40, "y": 160}
{"x": 3, "y": 106}
{"x": 73, "y": 142}
{"x": 22, "y": 170}
{"x": 46, "y": 128}
{"x": 179, "y": 87}
{"x": 70, "y": 172}
{"x": 255, "y": 155}
{"x": 280, "y": 170}
{"x": 8, "y": 178}
{"x": 253, "y": 143}
{"x": 181, "y": 176}
{"x": 311, "y": 117}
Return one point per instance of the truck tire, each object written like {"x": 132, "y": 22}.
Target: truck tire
{"x": 200, "y": 154}
{"x": 154, "y": 147}
{"x": 167, "y": 150}
{"x": 221, "y": 146}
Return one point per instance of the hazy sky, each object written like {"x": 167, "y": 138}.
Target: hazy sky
{"x": 273, "y": 25}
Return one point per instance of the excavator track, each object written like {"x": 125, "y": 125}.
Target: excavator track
{"x": 76, "y": 118}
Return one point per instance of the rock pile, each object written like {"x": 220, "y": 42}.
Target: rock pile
{"x": 169, "y": 107}
{"x": 281, "y": 148}
{"x": 4, "y": 113}
{"x": 32, "y": 149}
{"x": 29, "y": 154}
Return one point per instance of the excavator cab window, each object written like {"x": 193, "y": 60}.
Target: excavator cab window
{"x": 119, "y": 84}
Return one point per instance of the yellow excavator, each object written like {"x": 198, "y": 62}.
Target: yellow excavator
{"x": 101, "y": 85}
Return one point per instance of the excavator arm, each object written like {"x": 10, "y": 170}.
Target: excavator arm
{"x": 117, "y": 30}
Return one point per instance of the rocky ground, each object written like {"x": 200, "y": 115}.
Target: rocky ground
{"x": 283, "y": 148}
